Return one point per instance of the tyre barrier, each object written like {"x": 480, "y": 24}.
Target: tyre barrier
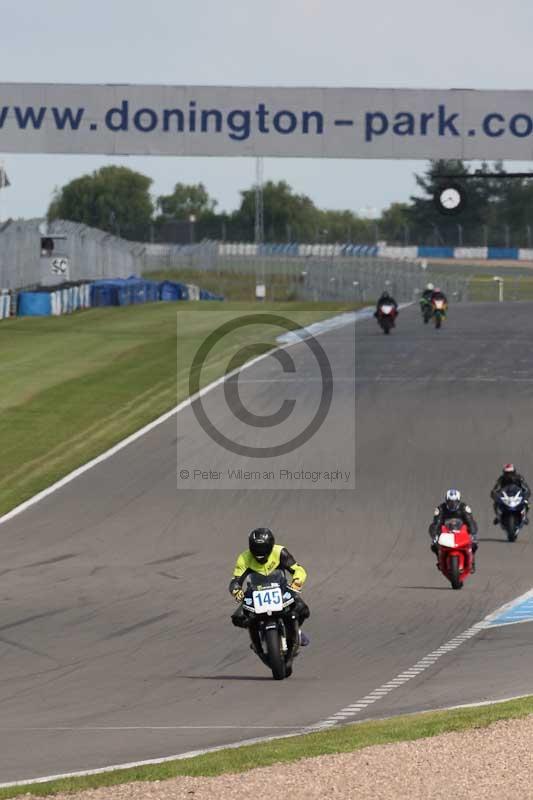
{"x": 124, "y": 292}
{"x": 121, "y": 292}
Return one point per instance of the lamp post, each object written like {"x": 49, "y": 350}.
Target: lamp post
{"x": 192, "y": 220}
{"x": 500, "y": 287}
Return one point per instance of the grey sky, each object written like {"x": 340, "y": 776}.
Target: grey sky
{"x": 412, "y": 43}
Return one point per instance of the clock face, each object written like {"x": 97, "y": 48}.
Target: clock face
{"x": 450, "y": 198}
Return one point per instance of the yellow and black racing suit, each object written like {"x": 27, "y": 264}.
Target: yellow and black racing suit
{"x": 279, "y": 558}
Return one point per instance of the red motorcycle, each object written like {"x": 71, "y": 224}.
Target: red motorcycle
{"x": 455, "y": 552}
{"x": 440, "y": 307}
{"x": 386, "y": 315}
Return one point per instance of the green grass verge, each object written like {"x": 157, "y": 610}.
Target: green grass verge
{"x": 344, "y": 739}
{"x": 480, "y": 283}
{"x": 284, "y": 286}
{"x": 461, "y": 269}
{"x": 236, "y": 285}
{"x": 73, "y": 386}
{"x": 483, "y": 288}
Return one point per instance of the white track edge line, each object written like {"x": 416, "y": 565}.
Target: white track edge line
{"x": 154, "y": 761}
{"x": 324, "y": 724}
{"x": 247, "y": 742}
{"x": 423, "y": 664}
{"x": 54, "y": 487}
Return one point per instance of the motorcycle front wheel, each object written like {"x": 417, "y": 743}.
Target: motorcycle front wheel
{"x": 453, "y": 570}
{"x": 511, "y": 528}
{"x": 275, "y": 656}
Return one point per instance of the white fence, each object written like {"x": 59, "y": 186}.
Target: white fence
{"x": 5, "y": 304}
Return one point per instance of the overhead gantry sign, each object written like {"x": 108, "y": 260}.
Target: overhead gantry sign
{"x": 266, "y": 121}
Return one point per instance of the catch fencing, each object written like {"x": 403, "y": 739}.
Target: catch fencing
{"x": 364, "y": 279}
{"x": 319, "y": 276}
{"x": 306, "y": 272}
{"x": 19, "y": 254}
{"x": 92, "y": 254}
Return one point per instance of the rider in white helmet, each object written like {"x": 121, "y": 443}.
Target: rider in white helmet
{"x": 453, "y": 507}
{"x": 427, "y": 294}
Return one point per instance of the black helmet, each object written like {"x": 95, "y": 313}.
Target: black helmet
{"x": 385, "y": 294}
{"x": 261, "y": 541}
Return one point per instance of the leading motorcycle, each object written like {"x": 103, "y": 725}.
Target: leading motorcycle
{"x": 455, "y": 556}
{"x": 273, "y": 625}
{"x": 439, "y": 308}
{"x": 386, "y": 316}
{"x": 511, "y": 510}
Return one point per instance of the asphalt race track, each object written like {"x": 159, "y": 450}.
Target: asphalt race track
{"x": 115, "y": 641}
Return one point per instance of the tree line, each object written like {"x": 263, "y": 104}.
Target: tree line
{"x": 118, "y": 200}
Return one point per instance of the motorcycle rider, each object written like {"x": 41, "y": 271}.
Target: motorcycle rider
{"x": 386, "y": 299}
{"x": 427, "y": 294}
{"x": 264, "y": 556}
{"x": 453, "y": 507}
{"x": 438, "y": 294}
{"x": 510, "y": 476}
{"x": 425, "y": 298}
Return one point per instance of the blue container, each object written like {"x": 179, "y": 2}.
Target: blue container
{"x": 34, "y": 304}
{"x": 206, "y": 295}
{"x": 137, "y": 290}
{"x": 436, "y": 252}
{"x": 172, "y": 291}
{"x": 504, "y": 253}
{"x": 104, "y": 293}
{"x": 152, "y": 291}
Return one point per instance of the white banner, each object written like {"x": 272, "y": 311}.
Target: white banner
{"x": 266, "y": 121}
{"x": 471, "y": 252}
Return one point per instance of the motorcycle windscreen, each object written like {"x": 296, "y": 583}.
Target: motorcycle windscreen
{"x": 258, "y": 581}
{"x": 511, "y": 496}
{"x": 454, "y": 524}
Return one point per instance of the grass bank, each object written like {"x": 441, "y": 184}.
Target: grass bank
{"x": 280, "y": 287}
{"x": 344, "y": 739}
{"x": 73, "y": 386}
{"x": 485, "y": 289}
{"x": 480, "y": 275}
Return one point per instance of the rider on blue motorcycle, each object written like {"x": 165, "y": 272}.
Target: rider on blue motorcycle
{"x": 510, "y": 477}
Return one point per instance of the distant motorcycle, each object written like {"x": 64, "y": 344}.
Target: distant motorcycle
{"x": 511, "y": 510}
{"x": 426, "y": 310}
{"x": 438, "y": 310}
{"x": 386, "y": 316}
{"x": 273, "y": 625}
{"x": 455, "y": 556}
